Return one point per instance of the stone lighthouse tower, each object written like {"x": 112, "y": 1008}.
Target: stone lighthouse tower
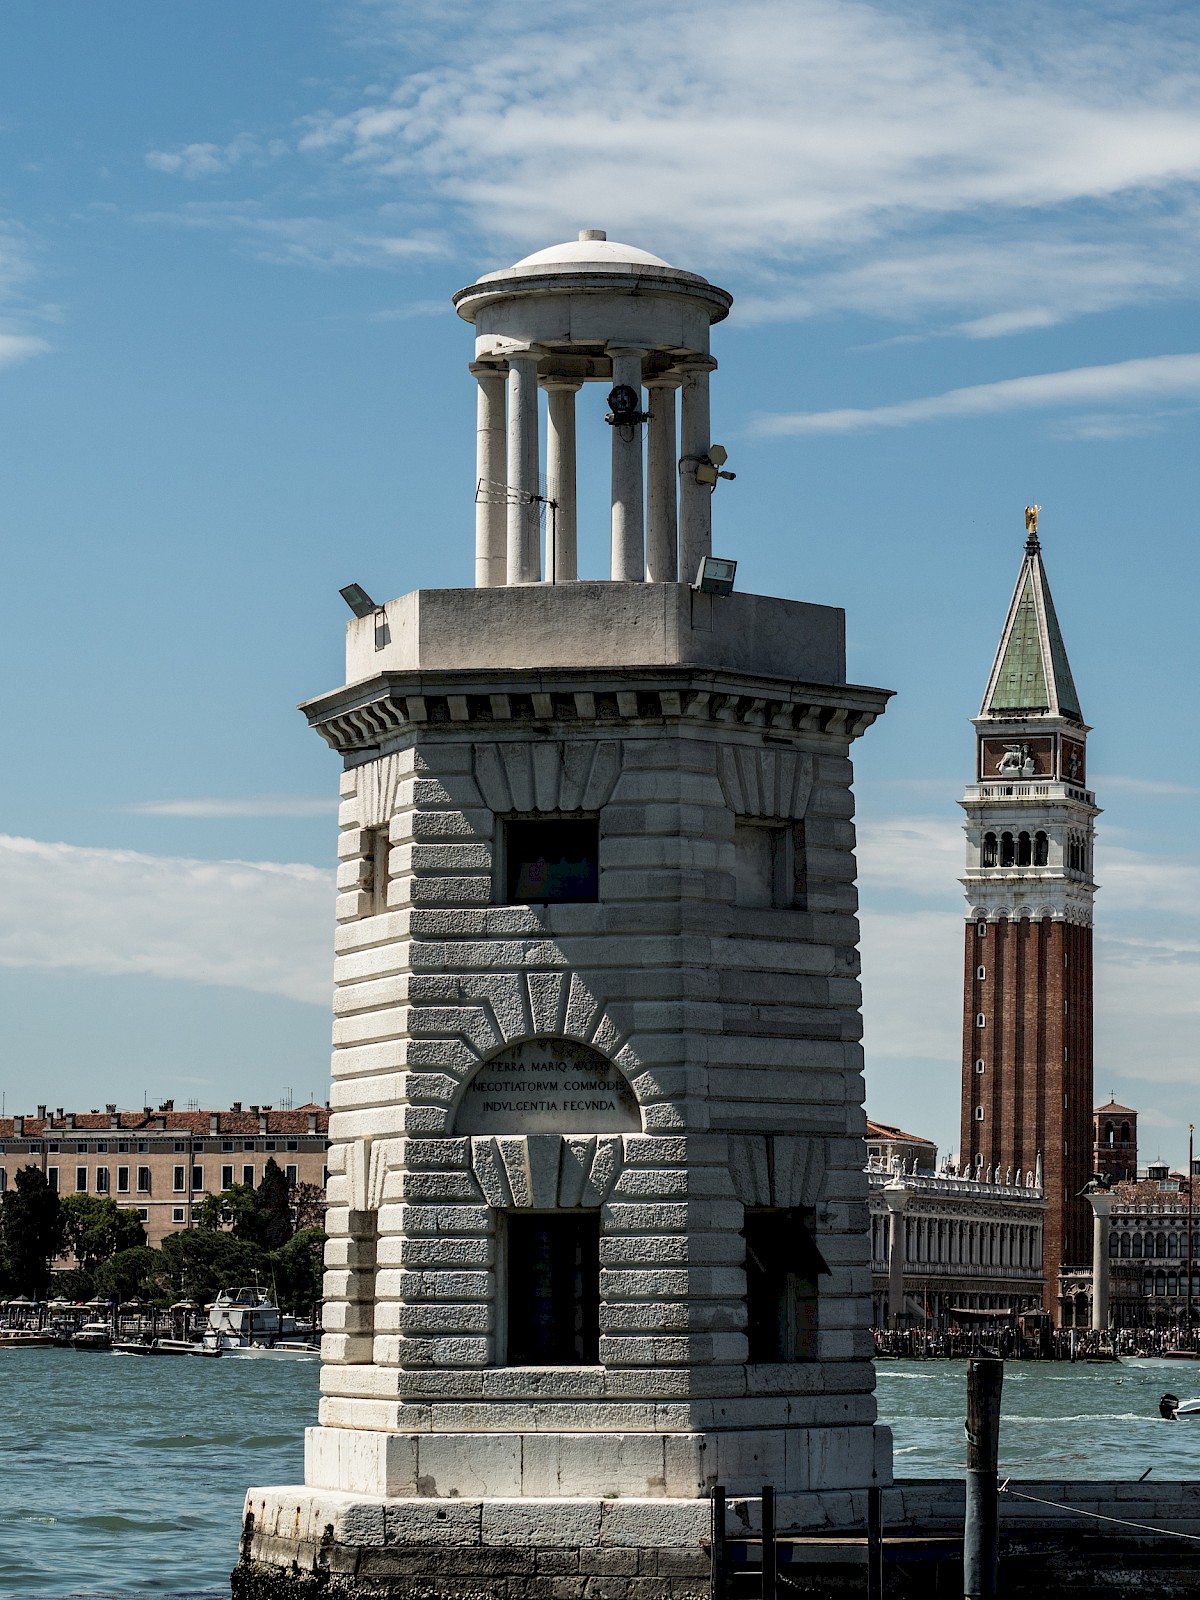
{"x": 597, "y": 1206}
{"x": 1027, "y": 1007}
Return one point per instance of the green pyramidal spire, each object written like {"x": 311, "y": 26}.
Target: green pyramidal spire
{"x": 1032, "y": 672}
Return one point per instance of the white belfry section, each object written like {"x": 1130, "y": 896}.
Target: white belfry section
{"x": 593, "y": 312}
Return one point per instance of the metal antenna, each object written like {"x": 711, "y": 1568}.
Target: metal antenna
{"x": 491, "y": 492}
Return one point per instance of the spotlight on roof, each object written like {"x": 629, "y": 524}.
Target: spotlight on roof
{"x": 715, "y": 575}
{"x": 359, "y": 601}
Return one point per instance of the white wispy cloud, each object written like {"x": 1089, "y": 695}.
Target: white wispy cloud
{"x": 264, "y": 806}
{"x": 258, "y": 925}
{"x": 193, "y": 161}
{"x": 1146, "y": 378}
{"x": 835, "y": 154}
{"x": 312, "y": 241}
{"x": 17, "y": 347}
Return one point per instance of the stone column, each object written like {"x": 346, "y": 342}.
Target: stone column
{"x": 1101, "y": 1204}
{"x": 562, "y": 560}
{"x": 524, "y": 545}
{"x": 695, "y": 499}
{"x": 491, "y": 560}
{"x": 662, "y": 478}
{"x": 628, "y": 541}
{"x": 895, "y": 1197}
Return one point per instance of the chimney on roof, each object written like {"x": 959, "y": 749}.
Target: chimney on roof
{"x": 147, "y": 1111}
{"x": 263, "y": 1121}
{"x": 42, "y": 1113}
{"x": 167, "y": 1105}
{"x": 114, "y": 1117}
{"x": 214, "y": 1122}
{"x": 161, "y": 1124}
{"x": 59, "y": 1113}
{"x": 312, "y": 1122}
{"x": 69, "y": 1121}
{"x": 111, "y": 1107}
{"x": 236, "y": 1106}
{"x": 253, "y": 1111}
{"x": 19, "y": 1126}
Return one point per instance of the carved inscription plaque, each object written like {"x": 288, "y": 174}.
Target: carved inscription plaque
{"x": 548, "y": 1086}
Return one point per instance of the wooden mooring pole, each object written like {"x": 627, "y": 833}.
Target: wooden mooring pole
{"x": 717, "y": 1543}
{"x": 875, "y": 1543}
{"x": 770, "y": 1565}
{"x": 985, "y": 1376}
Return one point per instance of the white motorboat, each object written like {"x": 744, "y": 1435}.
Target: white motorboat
{"x": 286, "y": 1350}
{"x": 247, "y": 1322}
{"x": 1172, "y": 1409}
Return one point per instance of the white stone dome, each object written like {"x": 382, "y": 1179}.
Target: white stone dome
{"x": 593, "y": 248}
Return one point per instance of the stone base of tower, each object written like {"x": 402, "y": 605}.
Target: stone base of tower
{"x": 417, "y": 1535}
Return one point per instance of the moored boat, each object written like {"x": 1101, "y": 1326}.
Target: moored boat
{"x": 93, "y": 1336}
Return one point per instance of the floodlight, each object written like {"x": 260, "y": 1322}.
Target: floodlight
{"x": 715, "y": 575}
{"x": 359, "y": 601}
{"x": 625, "y": 407}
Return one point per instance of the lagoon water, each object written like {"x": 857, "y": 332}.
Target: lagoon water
{"x": 124, "y": 1476}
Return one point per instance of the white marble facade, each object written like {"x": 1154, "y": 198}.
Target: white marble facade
{"x": 701, "y": 1010}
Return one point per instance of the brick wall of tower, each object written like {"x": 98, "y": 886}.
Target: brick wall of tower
{"x": 1030, "y": 981}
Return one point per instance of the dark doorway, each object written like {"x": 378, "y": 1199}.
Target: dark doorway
{"x": 553, "y": 1288}
{"x": 782, "y": 1268}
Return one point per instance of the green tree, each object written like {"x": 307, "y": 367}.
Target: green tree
{"x": 97, "y": 1227}
{"x": 308, "y": 1206}
{"x": 198, "y": 1264}
{"x": 31, "y": 1232}
{"x": 297, "y": 1269}
{"x": 131, "y": 1274}
{"x": 236, "y": 1206}
{"x": 275, "y": 1207}
{"x": 73, "y": 1284}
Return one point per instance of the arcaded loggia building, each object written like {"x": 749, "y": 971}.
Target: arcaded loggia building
{"x": 598, "y": 1211}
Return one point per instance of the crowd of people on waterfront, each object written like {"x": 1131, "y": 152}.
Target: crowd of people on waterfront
{"x": 1041, "y": 1343}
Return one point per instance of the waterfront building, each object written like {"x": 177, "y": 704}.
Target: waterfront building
{"x": 597, "y": 1205}
{"x": 886, "y": 1145}
{"x": 948, "y": 1246}
{"x": 1027, "y": 1011}
{"x": 162, "y": 1162}
{"x": 1144, "y": 1252}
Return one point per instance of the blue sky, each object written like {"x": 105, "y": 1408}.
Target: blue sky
{"x": 963, "y": 245}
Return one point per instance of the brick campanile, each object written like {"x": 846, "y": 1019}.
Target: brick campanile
{"x": 1027, "y": 980}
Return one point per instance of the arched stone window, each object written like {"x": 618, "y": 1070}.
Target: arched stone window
{"x": 1126, "y": 1136}
{"x": 1109, "y": 1134}
{"x": 1024, "y": 850}
{"x": 1007, "y": 850}
{"x": 1137, "y": 1244}
{"x": 1173, "y": 1244}
{"x": 989, "y": 850}
{"x": 1114, "y": 1244}
{"x": 1041, "y": 849}
{"x": 1125, "y": 1245}
{"x": 1160, "y": 1245}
